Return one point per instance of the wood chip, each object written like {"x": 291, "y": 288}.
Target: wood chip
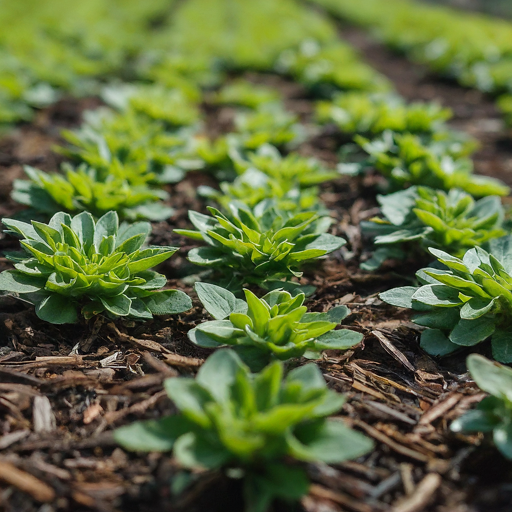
{"x": 42, "y": 415}
{"x": 393, "y": 351}
{"x": 182, "y": 361}
{"x": 342, "y": 499}
{"x": 26, "y": 482}
{"x": 422, "y": 495}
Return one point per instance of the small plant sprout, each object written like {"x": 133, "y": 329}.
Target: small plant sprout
{"x": 420, "y": 216}
{"x": 464, "y": 301}
{"x": 259, "y": 245}
{"x": 277, "y": 326}
{"x": 73, "y": 265}
{"x": 494, "y": 413}
{"x": 257, "y": 426}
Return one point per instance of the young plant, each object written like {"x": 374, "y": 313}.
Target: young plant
{"x": 453, "y": 221}
{"x": 464, "y": 301}
{"x": 251, "y": 426}
{"x": 246, "y": 94}
{"x": 290, "y": 171}
{"x": 494, "y": 413}
{"x": 85, "y": 189}
{"x": 277, "y": 326}
{"x": 73, "y": 265}
{"x": 270, "y": 124}
{"x": 405, "y": 160}
{"x": 253, "y": 186}
{"x": 372, "y": 114}
{"x": 259, "y": 245}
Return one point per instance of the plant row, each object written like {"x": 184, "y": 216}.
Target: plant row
{"x": 245, "y": 412}
{"x": 474, "y": 49}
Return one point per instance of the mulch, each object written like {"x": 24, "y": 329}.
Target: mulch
{"x": 63, "y": 389}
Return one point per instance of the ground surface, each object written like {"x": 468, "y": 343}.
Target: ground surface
{"x": 58, "y": 409}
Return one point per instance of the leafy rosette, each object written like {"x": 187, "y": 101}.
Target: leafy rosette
{"x": 406, "y": 160}
{"x": 465, "y": 302}
{"x": 494, "y": 413}
{"x": 277, "y": 326}
{"x": 253, "y": 425}
{"x": 77, "y": 264}
{"x": 419, "y": 216}
{"x": 261, "y": 244}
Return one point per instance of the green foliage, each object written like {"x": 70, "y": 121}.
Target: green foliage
{"x": 243, "y": 93}
{"x": 464, "y": 301}
{"x": 232, "y": 419}
{"x": 372, "y": 114}
{"x": 404, "y": 160}
{"x": 474, "y": 49}
{"x": 73, "y": 264}
{"x": 277, "y": 326}
{"x": 86, "y": 189}
{"x": 453, "y": 221}
{"x": 292, "y": 170}
{"x": 494, "y": 413}
{"x": 270, "y": 124}
{"x": 331, "y": 67}
{"x": 505, "y": 106}
{"x": 253, "y": 186}
{"x": 145, "y": 151}
{"x": 259, "y": 245}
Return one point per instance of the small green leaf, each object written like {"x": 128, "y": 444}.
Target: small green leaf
{"x": 15, "y": 282}
{"x": 401, "y": 297}
{"x": 436, "y": 343}
{"x": 167, "y": 302}
{"x": 219, "y": 302}
{"x": 118, "y": 305}
{"x": 338, "y": 340}
{"x": 471, "y": 332}
{"x": 57, "y": 309}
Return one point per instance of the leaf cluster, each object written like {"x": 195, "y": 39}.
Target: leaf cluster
{"x": 277, "y": 326}
{"x": 494, "y": 413}
{"x": 75, "y": 264}
{"x": 404, "y": 160}
{"x": 232, "y": 419}
{"x": 453, "y": 221}
{"x": 372, "y": 114}
{"x": 464, "y": 301}
{"x": 261, "y": 244}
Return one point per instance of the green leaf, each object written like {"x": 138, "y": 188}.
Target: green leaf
{"x": 502, "y": 436}
{"x": 475, "y": 421}
{"x": 153, "y": 435}
{"x": 57, "y": 309}
{"x": 218, "y": 373}
{"x": 219, "y": 302}
{"x": 437, "y": 295}
{"x": 167, "y": 302}
{"x": 501, "y": 343}
{"x": 475, "y": 308}
{"x": 84, "y": 227}
{"x": 15, "y": 282}
{"x": 222, "y": 331}
{"x": 442, "y": 318}
{"x": 435, "y": 343}
{"x": 193, "y": 451}
{"x": 118, "y": 305}
{"x": 106, "y": 226}
{"x": 338, "y": 340}
{"x": 400, "y": 297}
{"x": 190, "y": 397}
{"x": 471, "y": 332}
{"x": 328, "y": 441}
{"x": 491, "y": 377}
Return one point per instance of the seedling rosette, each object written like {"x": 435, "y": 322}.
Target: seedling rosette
{"x": 251, "y": 424}
{"x": 464, "y": 301}
{"x": 423, "y": 217}
{"x": 277, "y": 326}
{"x": 260, "y": 245}
{"x": 74, "y": 264}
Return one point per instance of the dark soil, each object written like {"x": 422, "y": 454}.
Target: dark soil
{"x": 64, "y": 389}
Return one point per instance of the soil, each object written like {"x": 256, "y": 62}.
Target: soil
{"x": 63, "y": 389}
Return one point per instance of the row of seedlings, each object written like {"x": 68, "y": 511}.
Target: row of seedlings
{"x": 464, "y": 297}
{"x": 473, "y": 49}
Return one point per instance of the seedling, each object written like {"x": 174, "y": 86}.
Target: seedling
{"x": 277, "y": 326}
{"x": 73, "y": 265}
{"x": 252, "y": 426}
